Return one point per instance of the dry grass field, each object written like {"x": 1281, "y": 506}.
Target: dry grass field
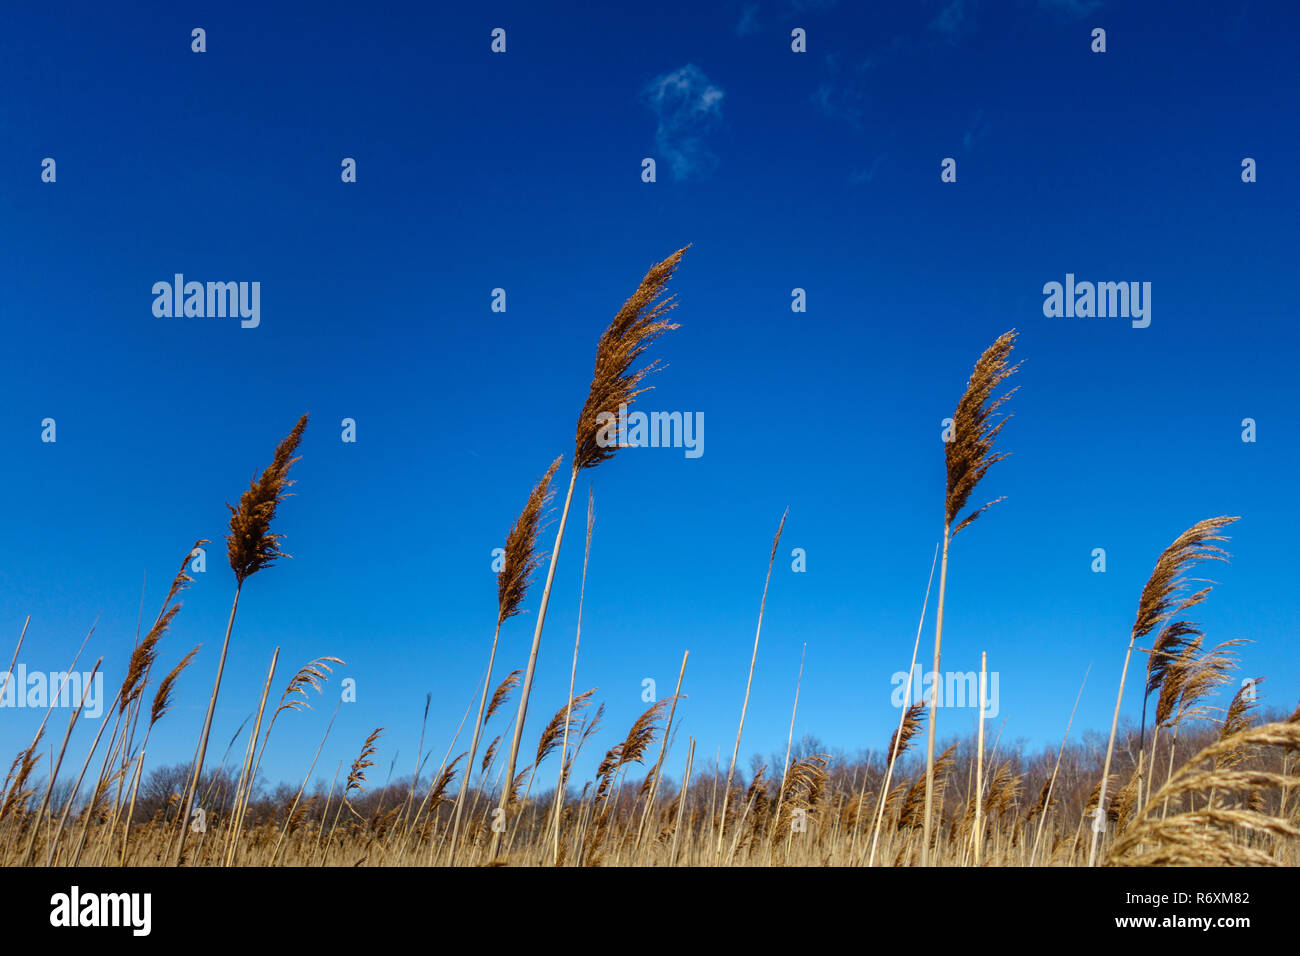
{"x": 1192, "y": 784}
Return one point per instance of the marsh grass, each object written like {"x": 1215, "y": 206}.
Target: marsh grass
{"x": 1225, "y": 797}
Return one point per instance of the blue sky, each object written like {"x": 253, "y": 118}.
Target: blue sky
{"x": 522, "y": 171}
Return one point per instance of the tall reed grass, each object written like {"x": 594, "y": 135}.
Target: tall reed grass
{"x": 1208, "y": 785}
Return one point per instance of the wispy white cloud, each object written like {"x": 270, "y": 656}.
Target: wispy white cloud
{"x": 950, "y": 19}
{"x": 688, "y": 106}
{"x": 748, "y": 20}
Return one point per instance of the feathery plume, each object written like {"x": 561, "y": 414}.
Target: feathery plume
{"x": 503, "y": 693}
{"x": 142, "y": 659}
{"x": 969, "y": 455}
{"x": 1235, "y": 721}
{"x": 613, "y": 383}
{"x": 357, "y": 774}
{"x": 146, "y": 652}
{"x": 15, "y": 790}
{"x": 639, "y": 738}
{"x": 250, "y": 545}
{"x": 901, "y": 737}
{"x": 521, "y": 558}
{"x": 1162, "y": 595}
{"x": 439, "y": 792}
{"x": 613, "y": 387}
{"x": 313, "y": 675}
{"x": 1041, "y": 804}
{"x": 554, "y": 731}
{"x": 490, "y": 753}
{"x": 162, "y": 698}
{"x": 1162, "y": 598}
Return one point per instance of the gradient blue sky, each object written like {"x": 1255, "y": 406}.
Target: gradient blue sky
{"x": 522, "y": 171}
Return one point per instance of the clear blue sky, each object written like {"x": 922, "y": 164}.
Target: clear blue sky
{"x": 522, "y": 171}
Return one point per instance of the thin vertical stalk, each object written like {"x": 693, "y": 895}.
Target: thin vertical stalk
{"x": 902, "y": 717}
{"x": 473, "y": 749}
{"x": 244, "y": 788}
{"x": 681, "y": 802}
{"x": 789, "y": 743}
{"x": 979, "y": 760}
{"x": 562, "y": 784}
{"x": 199, "y": 757}
{"x": 1100, "y": 813}
{"x": 663, "y": 752}
{"x": 1051, "y": 784}
{"x": 722, "y": 823}
{"x": 935, "y": 684}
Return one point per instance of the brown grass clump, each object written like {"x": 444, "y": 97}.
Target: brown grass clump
{"x": 15, "y": 790}
{"x": 803, "y": 784}
{"x": 1212, "y": 835}
{"x": 1162, "y": 598}
{"x": 1040, "y": 806}
{"x": 1235, "y": 722}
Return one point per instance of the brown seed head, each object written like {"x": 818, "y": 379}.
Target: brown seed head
{"x": 162, "y": 698}
{"x": 900, "y": 738}
{"x": 313, "y": 675}
{"x": 1163, "y": 595}
{"x": 489, "y": 754}
{"x": 250, "y": 545}
{"x": 357, "y": 774}
{"x": 521, "y": 558}
{"x": 554, "y": 731}
{"x": 970, "y": 453}
{"x": 146, "y": 651}
{"x": 142, "y": 659}
{"x": 613, "y": 383}
{"x": 502, "y": 694}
